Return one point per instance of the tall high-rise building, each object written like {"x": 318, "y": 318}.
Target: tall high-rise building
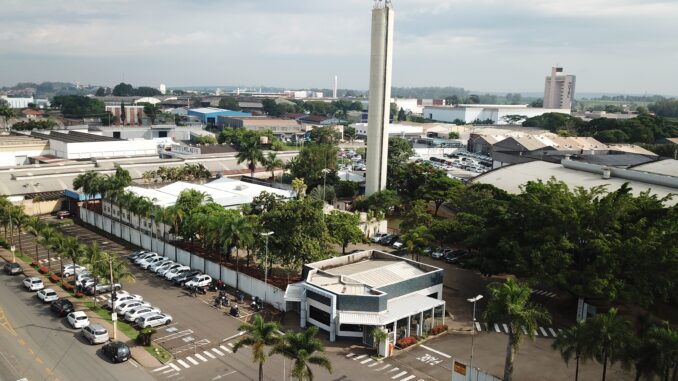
{"x": 162, "y": 89}
{"x": 559, "y": 89}
{"x": 380, "y": 95}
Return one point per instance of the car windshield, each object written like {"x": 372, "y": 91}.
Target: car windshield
{"x": 123, "y": 350}
{"x": 100, "y": 332}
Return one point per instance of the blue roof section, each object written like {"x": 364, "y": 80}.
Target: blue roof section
{"x": 80, "y": 196}
{"x": 212, "y": 112}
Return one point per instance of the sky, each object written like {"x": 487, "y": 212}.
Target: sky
{"x": 613, "y": 46}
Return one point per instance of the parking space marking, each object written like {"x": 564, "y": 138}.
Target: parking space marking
{"x": 182, "y": 363}
{"x": 350, "y": 355}
{"x": 194, "y": 362}
{"x": 200, "y": 357}
{"x": 374, "y": 364}
{"x": 478, "y": 327}
{"x": 366, "y": 361}
{"x": 398, "y": 375}
{"x": 553, "y": 332}
{"x": 435, "y": 351}
{"x": 217, "y": 351}
{"x": 505, "y": 327}
{"x": 383, "y": 367}
{"x": 543, "y": 331}
{"x": 208, "y": 353}
{"x": 359, "y": 357}
{"x": 174, "y": 367}
{"x": 393, "y": 370}
{"x": 408, "y": 378}
{"x": 496, "y": 327}
{"x": 226, "y": 349}
{"x": 161, "y": 368}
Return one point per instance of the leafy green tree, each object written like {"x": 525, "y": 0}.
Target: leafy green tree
{"x": 252, "y": 153}
{"x": 665, "y": 107}
{"x": 272, "y": 162}
{"x": 258, "y": 335}
{"x": 508, "y": 303}
{"x": 416, "y": 240}
{"x": 123, "y": 90}
{"x": 402, "y": 116}
{"x": 343, "y": 229}
{"x": 229, "y": 103}
{"x": 123, "y": 113}
{"x": 399, "y": 151}
{"x": 32, "y": 124}
{"x": 33, "y": 228}
{"x": 152, "y": 111}
{"x": 453, "y": 135}
{"x": 417, "y": 215}
{"x": 304, "y": 349}
{"x": 311, "y": 161}
{"x": 385, "y": 201}
{"x": 238, "y": 232}
{"x": 325, "y": 135}
{"x": 349, "y": 133}
{"x": 101, "y": 92}
{"x": 655, "y": 353}
{"x": 440, "y": 188}
{"x": 346, "y": 188}
{"x": 573, "y": 343}
{"x": 77, "y": 106}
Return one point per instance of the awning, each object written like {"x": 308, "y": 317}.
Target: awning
{"x": 396, "y": 309}
{"x": 293, "y": 292}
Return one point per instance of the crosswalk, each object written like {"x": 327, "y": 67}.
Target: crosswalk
{"x": 545, "y": 293}
{"x": 52, "y": 259}
{"x": 547, "y": 332}
{"x": 195, "y": 359}
{"x": 390, "y": 371}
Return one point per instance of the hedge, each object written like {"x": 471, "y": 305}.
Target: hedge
{"x": 43, "y": 269}
{"x": 406, "y": 342}
{"x": 438, "y": 329}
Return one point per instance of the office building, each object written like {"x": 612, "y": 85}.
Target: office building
{"x": 559, "y": 90}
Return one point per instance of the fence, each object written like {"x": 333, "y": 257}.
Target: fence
{"x": 461, "y": 372}
{"x": 249, "y": 285}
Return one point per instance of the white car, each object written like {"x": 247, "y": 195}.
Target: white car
{"x": 83, "y": 276}
{"x": 140, "y": 311}
{"x": 124, "y": 297}
{"x": 199, "y": 281}
{"x": 47, "y": 295}
{"x": 157, "y": 265}
{"x": 33, "y": 283}
{"x": 123, "y": 307}
{"x": 77, "y": 319}
{"x": 165, "y": 269}
{"x": 153, "y": 320}
{"x": 171, "y": 274}
{"x": 72, "y": 269}
{"x": 377, "y": 237}
{"x": 145, "y": 264}
{"x": 143, "y": 257}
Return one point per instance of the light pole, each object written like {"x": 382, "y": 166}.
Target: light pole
{"x": 325, "y": 171}
{"x": 473, "y": 330}
{"x": 266, "y": 235}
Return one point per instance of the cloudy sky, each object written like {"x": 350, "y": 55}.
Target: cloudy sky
{"x": 627, "y": 46}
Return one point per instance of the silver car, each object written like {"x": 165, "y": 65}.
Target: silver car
{"x": 95, "y": 334}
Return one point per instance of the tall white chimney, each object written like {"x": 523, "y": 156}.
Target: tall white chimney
{"x": 334, "y": 93}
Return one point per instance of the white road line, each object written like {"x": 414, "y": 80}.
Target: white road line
{"x": 161, "y": 368}
{"x": 543, "y": 331}
{"x": 366, "y": 361}
{"x": 407, "y": 378}
{"x": 393, "y": 370}
{"x": 496, "y": 327}
{"x": 174, "y": 367}
{"x": 478, "y": 327}
{"x": 383, "y": 367}
{"x": 200, "y": 358}
{"x": 435, "y": 351}
{"x": 217, "y": 351}
{"x": 230, "y": 345}
{"x": 359, "y": 357}
{"x": 374, "y": 364}
{"x": 552, "y": 295}
{"x": 553, "y": 332}
{"x": 189, "y": 358}
{"x": 350, "y": 355}
{"x": 182, "y": 363}
{"x": 225, "y": 349}
{"x": 505, "y": 327}
{"x": 209, "y": 354}
{"x": 399, "y": 375}
{"x": 168, "y": 371}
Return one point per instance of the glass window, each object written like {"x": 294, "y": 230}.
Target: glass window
{"x": 351, "y": 327}
{"x": 319, "y": 315}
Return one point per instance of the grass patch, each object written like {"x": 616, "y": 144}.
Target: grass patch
{"x": 159, "y": 352}
{"x": 125, "y": 328}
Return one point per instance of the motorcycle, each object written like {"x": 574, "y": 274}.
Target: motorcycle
{"x": 235, "y": 312}
{"x": 240, "y": 296}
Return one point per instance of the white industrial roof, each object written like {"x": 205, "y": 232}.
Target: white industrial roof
{"x": 511, "y": 177}
{"x": 663, "y": 167}
{"x": 396, "y": 309}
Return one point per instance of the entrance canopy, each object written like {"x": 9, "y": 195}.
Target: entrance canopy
{"x": 398, "y": 308}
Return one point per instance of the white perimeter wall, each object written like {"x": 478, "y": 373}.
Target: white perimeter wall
{"x": 469, "y": 114}
{"x": 249, "y": 285}
{"x": 103, "y": 149}
{"x": 20, "y": 157}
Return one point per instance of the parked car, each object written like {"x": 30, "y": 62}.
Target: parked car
{"x": 72, "y": 269}
{"x": 186, "y": 276}
{"x": 77, "y": 319}
{"x": 173, "y": 273}
{"x": 153, "y": 320}
{"x": 146, "y": 264}
{"x": 33, "y": 283}
{"x": 145, "y": 256}
{"x": 455, "y": 256}
{"x": 140, "y": 311}
{"x": 390, "y": 240}
{"x": 199, "y": 281}
{"x": 47, "y": 295}
{"x": 378, "y": 236}
{"x": 82, "y": 276}
{"x": 123, "y": 307}
{"x": 438, "y": 253}
{"x": 62, "y": 307}
{"x": 13, "y": 268}
{"x": 163, "y": 271}
{"x": 156, "y": 266}
{"x": 123, "y": 297}
{"x": 136, "y": 254}
{"x": 63, "y": 214}
{"x": 95, "y": 334}
{"x": 116, "y": 351}
{"x": 102, "y": 288}
{"x": 397, "y": 244}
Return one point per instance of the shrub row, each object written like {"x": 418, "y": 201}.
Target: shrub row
{"x": 438, "y": 329}
{"x": 406, "y": 341}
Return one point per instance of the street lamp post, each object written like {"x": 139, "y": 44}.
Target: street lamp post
{"x": 473, "y": 330}
{"x": 266, "y": 235}
{"x": 13, "y": 249}
{"x": 325, "y": 171}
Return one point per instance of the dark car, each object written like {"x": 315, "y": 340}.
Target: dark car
{"x": 63, "y": 214}
{"x": 186, "y": 276}
{"x": 455, "y": 256}
{"x": 12, "y": 268}
{"x": 62, "y": 307}
{"x": 388, "y": 241}
{"x": 116, "y": 351}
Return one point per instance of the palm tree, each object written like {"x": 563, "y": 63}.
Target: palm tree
{"x": 33, "y": 228}
{"x": 304, "y": 349}
{"x": 608, "y": 336}
{"x": 85, "y": 181}
{"x": 251, "y": 153}
{"x": 271, "y": 161}
{"x": 258, "y": 334}
{"x": 19, "y": 221}
{"x": 73, "y": 249}
{"x": 47, "y": 235}
{"x": 238, "y": 231}
{"x": 509, "y": 304}
{"x": 416, "y": 240}
{"x": 572, "y": 342}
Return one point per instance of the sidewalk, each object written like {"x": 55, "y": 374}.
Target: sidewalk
{"x": 139, "y": 353}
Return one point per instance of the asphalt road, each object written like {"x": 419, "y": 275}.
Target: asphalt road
{"x": 36, "y": 345}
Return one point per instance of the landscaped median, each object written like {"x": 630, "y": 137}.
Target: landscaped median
{"x": 147, "y": 356}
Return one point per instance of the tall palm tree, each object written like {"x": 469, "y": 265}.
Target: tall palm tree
{"x": 19, "y": 221}
{"x": 608, "y": 337}
{"x": 251, "y": 153}
{"x": 416, "y": 240}
{"x": 304, "y": 349}
{"x": 509, "y": 303}
{"x": 272, "y": 162}
{"x": 73, "y": 249}
{"x": 46, "y": 239}
{"x": 258, "y": 335}
{"x": 238, "y": 231}
{"x": 33, "y": 228}
{"x": 573, "y": 342}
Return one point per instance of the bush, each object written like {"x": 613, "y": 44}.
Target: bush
{"x": 406, "y": 342}
{"x": 43, "y": 269}
{"x": 35, "y": 263}
{"x": 79, "y": 295}
{"x": 145, "y": 336}
{"x": 438, "y": 329}
{"x": 54, "y": 278}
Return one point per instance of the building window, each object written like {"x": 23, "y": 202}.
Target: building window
{"x": 116, "y": 134}
{"x": 319, "y": 315}
{"x": 317, "y": 297}
{"x": 162, "y": 134}
{"x": 351, "y": 328}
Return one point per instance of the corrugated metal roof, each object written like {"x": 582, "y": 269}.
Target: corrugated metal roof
{"x": 396, "y": 309}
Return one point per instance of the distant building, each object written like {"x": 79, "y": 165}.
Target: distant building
{"x": 162, "y": 89}
{"x": 399, "y": 130}
{"x": 31, "y": 114}
{"x": 25, "y": 102}
{"x": 76, "y": 145}
{"x": 278, "y": 126}
{"x": 559, "y": 90}
{"x": 210, "y": 115}
{"x": 470, "y": 113}
{"x": 134, "y": 114}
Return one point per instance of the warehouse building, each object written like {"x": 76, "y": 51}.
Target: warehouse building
{"x": 210, "y": 115}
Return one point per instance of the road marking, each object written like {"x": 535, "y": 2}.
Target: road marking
{"x": 194, "y": 362}
{"x": 209, "y": 354}
{"x": 478, "y": 327}
{"x": 230, "y": 345}
{"x": 543, "y": 331}
{"x": 399, "y": 375}
{"x": 496, "y": 327}
{"x": 173, "y": 366}
{"x": 168, "y": 371}
{"x": 375, "y": 364}
{"x": 435, "y": 351}
{"x": 383, "y": 367}
{"x": 536, "y": 333}
{"x": 553, "y": 332}
{"x": 161, "y": 368}
{"x": 217, "y": 351}
{"x": 350, "y": 355}
{"x": 366, "y": 361}
{"x": 359, "y": 357}
{"x": 225, "y": 349}
{"x": 182, "y": 363}
{"x": 200, "y": 358}
{"x": 393, "y": 370}
{"x": 407, "y": 378}
{"x": 505, "y": 327}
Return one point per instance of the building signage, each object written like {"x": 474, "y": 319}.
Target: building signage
{"x": 178, "y": 148}
{"x": 460, "y": 368}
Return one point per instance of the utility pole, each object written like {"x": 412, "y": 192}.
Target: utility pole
{"x": 266, "y": 235}
{"x": 473, "y": 330}
{"x": 114, "y": 315}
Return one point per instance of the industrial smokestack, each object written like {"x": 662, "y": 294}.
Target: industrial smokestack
{"x": 334, "y": 93}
